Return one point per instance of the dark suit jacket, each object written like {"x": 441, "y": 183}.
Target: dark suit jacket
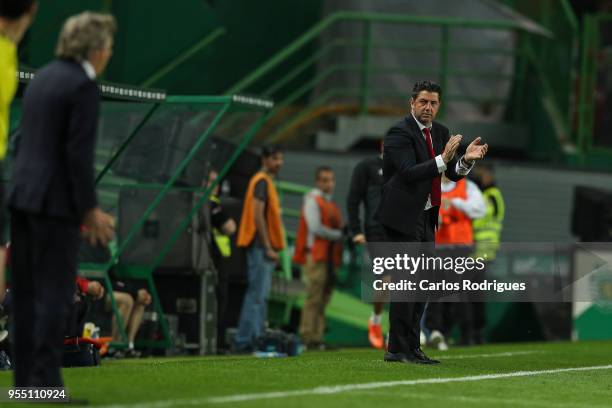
{"x": 53, "y": 172}
{"x": 408, "y": 173}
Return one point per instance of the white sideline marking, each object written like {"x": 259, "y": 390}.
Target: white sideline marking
{"x": 349, "y": 387}
{"x": 493, "y": 402}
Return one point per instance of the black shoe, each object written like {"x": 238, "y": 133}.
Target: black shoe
{"x": 402, "y": 358}
{"x": 418, "y": 353}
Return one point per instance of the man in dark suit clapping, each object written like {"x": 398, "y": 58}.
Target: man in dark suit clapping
{"x": 416, "y": 151}
{"x": 52, "y": 194}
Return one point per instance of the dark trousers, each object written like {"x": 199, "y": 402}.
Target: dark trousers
{"x": 442, "y": 316}
{"x": 43, "y": 271}
{"x": 472, "y": 310}
{"x": 405, "y": 317}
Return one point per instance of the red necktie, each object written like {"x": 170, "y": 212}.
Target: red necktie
{"x": 436, "y": 192}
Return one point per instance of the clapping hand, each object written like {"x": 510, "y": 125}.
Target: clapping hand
{"x": 451, "y": 148}
{"x": 476, "y": 151}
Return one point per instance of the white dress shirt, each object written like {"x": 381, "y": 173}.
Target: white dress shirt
{"x": 89, "y": 69}
{"x": 460, "y": 167}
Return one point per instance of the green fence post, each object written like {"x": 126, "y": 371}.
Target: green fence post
{"x": 365, "y": 68}
{"x": 444, "y": 63}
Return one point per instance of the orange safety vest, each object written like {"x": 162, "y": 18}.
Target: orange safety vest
{"x": 321, "y": 248}
{"x": 455, "y": 226}
{"x": 248, "y": 229}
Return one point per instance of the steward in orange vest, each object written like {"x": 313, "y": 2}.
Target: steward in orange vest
{"x": 318, "y": 248}
{"x": 461, "y": 202}
{"x": 248, "y": 228}
{"x": 261, "y": 233}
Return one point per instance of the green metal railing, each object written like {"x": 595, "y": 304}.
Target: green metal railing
{"x": 295, "y": 84}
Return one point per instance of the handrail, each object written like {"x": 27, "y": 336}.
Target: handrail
{"x": 294, "y": 85}
{"x": 293, "y": 188}
{"x": 317, "y": 29}
{"x": 342, "y": 42}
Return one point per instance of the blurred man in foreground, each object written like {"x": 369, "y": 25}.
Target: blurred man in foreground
{"x": 52, "y": 194}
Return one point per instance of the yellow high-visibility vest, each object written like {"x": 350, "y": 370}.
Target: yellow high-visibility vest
{"x": 487, "y": 230}
{"x": 221, "y": 240}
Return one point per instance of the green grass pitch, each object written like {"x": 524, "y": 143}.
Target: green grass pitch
{"x": 539, "y": 375}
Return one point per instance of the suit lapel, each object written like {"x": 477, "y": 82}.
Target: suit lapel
{"x": 414, "y": 126}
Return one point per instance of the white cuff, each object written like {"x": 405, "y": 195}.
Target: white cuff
{"x": 440, "y": 163}
{"x": 463, "y": 169}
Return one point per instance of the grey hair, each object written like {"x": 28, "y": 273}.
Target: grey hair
{"x": 83, "y": 33}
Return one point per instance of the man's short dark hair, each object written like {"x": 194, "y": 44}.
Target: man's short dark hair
{"x": 428, "y": 86}
{"x": 13, "y": 9}
{"x": 320, "y": 170}
{"x": 270, "y": 150}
